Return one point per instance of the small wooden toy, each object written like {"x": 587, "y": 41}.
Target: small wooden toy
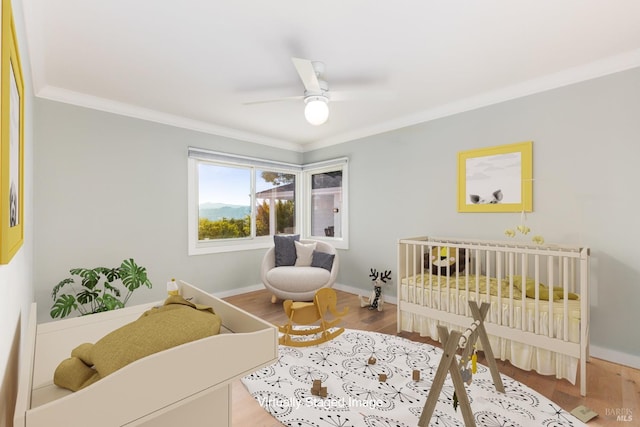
{"x": 371, "y": 361}
{"x": 382, "y": 378}
{"x": 416, "y": 375}
{"x": 318, "y": 390}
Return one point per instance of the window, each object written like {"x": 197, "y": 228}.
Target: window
{"x": 238, "y": 203}
{"x": 325, "y": 188}
{"x": 275, "y": 203}
{"x": 224, "y": 202}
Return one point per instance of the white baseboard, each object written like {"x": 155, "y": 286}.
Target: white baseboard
{"x": 260, "y": 286}
{"x": 364, "y": 292}
{"x": 618, "y": 357}
{"x": 238, "y": 291}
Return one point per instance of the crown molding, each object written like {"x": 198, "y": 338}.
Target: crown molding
{"x": 611, "y": 65}
{"x": 83, "y": 100}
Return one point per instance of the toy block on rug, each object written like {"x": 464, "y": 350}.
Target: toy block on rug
{"x": 318, "y": 390}
{"x": 307, "y": 313}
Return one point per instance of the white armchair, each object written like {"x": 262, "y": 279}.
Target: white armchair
{"x": 298, "y": 283}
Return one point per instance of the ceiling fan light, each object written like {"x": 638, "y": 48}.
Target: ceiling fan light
{"x": 316, "y": 110}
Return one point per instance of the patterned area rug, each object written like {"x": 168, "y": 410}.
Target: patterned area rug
{"x": 357, "y": 397}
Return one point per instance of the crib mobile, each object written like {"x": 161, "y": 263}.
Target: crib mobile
{"x": 376, "y": 300}
{"x": 460, "y": 372}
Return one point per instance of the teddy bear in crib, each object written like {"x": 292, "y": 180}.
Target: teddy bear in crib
{"x": 376, "y": 300}
{"x": 444, "y": 261}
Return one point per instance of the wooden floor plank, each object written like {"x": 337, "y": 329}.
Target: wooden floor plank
{"x": 612, "y": 389}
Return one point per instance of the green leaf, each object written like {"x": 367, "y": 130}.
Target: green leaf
{"x": 111, "y": 273}
{"x": 112, "y": 289}
{"x": 86, "y": 296}
{"x": 111, "y": 303}
{"x": 56, "y": 288}
{"x": 90, "y": 277}
{"x": 63, "y": 306}
{"x": 133, "y": 276}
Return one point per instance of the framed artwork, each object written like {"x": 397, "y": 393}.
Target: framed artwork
{"x": 496, "y": 179}
{"x": 11, "y": 141}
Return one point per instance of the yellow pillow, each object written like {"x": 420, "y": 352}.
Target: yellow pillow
{"x": 558, "y": 292}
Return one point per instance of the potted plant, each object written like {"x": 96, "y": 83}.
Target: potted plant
{"x": 97, "y": 291}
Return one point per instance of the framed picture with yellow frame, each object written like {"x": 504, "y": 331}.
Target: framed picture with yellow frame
{"x": 11, "y": 141}
{"x": 496, "y": 179}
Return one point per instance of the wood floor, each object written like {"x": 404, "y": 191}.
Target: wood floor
{"x": 612, "y": 389}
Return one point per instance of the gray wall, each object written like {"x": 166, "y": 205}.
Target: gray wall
{"x": 109, "y": 187}
{"x": 586, "y": 152}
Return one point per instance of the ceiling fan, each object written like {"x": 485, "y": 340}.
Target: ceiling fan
{"x": 316, "y": 91}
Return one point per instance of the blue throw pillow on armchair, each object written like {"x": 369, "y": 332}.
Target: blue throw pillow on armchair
{"x": 285, "y": 249}
{"x": 322, "y": 260}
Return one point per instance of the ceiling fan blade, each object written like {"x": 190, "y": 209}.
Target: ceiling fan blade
{"x": 284, "y": 98}
{"x": 307, "y": 75}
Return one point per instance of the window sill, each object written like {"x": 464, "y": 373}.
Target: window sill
{"x": 221, "y": 247}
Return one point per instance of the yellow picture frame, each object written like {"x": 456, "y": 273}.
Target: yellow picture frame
{"x": 496, "y": 179}
{"x": 11, "y": 140}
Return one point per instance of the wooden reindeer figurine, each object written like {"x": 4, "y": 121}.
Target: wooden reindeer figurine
{"x": 376, "y": 300}
{"x": 307, "y": 313}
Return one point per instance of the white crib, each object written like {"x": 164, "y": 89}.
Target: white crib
{"x": 548, "y": 336}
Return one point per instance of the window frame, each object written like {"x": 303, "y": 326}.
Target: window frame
{"x": 303, "y": 175}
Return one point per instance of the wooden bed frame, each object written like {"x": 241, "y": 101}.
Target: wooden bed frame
{"x": 431, "y": 297}
{"x": 186, "y": 385}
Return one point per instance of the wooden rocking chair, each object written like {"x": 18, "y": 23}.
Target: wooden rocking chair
{"x": 308, "y": 313}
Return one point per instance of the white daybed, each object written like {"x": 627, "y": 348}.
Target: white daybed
{"x": 186, "y": 385}
{"x": 518, "y": 326}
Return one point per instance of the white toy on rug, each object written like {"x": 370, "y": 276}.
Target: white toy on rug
{"x": 375, "y": 301}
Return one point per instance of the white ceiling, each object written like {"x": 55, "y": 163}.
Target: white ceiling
{"x": 193, "y": 63}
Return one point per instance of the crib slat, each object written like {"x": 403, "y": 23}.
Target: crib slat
{"x": 511, "y": 273}
{"x": 523, "y": 298}
{"x": 536, "y": 280}
{"x": 415, "y": 270}
{"x": 421, "y": 261}
{"x": 565, "y": 308}
{"x": 487, "y": 269}
{"x": 550, "y": 284}
{"x": 448, "y": 284}
{"x": 478, "y": 263}
{"x": 466, "y": 281}
{"x": 572, "y": 278}
{"x": 499, "y": 278}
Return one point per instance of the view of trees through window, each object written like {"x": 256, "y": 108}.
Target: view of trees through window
{"x": 225, "y": 211}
